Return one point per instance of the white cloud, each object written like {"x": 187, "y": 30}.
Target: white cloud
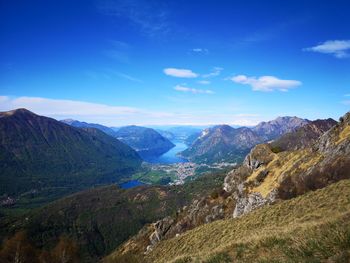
{"x": 266, "y": 83}
{"x": 191, "y": 90}
{"x": 119, "y": 115}
{"x": 338, "y": 48}
{"x": 347, "y": 95}
{"x": 180, "y": 73}
{"x": 62, "y": 107}
{"x": 346, "y": 102}
{"x": 204, "y": 82}
{"x": 215, "y": 72}
{"x": 83, "y": 111}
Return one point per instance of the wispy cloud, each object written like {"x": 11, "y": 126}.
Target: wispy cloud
{"x": 109, "y": 74}
{"x": 119, "y": 51}
{"x": 203, "y": 51}
{"x": 204, "y": 82}
{"x": 346, "y": 102}
{"x": 183, "y": 88}
{"x": 337, "y": 48}
{"x": 150, "y": 17}
{"x": 347, "y": 95}
{"x": 128, "y": 77}
{"x": 266, "y": 83}
{"x": 215, "y": 72}
{"x": 180, "y": 73}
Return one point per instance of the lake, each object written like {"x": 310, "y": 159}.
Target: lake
{"x": 131, "y": 184}
{"x": 170, "y": 156}
{"x": 167, "y": 158}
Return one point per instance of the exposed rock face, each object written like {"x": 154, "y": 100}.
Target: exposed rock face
{"x": 246, "y": 204}
{"x": 161, "y": 228}
{"x": 259, "y": 155}
{"x": 202, "y": 211}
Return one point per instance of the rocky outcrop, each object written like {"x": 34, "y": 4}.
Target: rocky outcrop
{"x": 246, "y": 204}
{"x": 266, "y": 176}
{"x": 161, "y": 228}
{"x": 259, "y": 155}
{"x": 200, "y": 211}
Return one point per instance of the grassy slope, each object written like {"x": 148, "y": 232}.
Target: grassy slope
{"x": 314, "y": 227}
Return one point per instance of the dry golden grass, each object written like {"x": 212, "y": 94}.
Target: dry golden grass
{"x": 285, "y": 232}
{"x": 284, "y": 163}
{"x": 344, "y": 134}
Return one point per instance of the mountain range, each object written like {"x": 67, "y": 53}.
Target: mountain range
{"x": 147, "y": 142}
{"x": 279, "y": 204}
{"x": 39, "y": 152}
{"x": 224, "y": 143}
{"x": 80, "y": 124}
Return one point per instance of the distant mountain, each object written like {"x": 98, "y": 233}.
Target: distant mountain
{"x": 80, "y": 124}
{"x": 166, "y": 134}
{"x": 303, "y": 136}
{"x": 38, "y": 152}
{"x": 183, "y": 132}
{"x": 192, "y": 138}
{"x": 222, "y": 143}
{"x": 225, "y": 143}
{"x": 273, "y": 129}
{"x": 146, "y": 141}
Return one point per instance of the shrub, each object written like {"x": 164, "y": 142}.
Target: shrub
{"x": 183, "y": 260}
{"x": 219, "y": 258}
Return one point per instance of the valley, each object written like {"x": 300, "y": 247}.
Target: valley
{"x": 160, "y": 131}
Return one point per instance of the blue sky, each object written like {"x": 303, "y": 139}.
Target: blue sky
{"x": 119, "y": 62}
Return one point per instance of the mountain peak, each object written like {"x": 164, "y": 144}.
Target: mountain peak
{"x": 273, "y": 129}
{"x": 16, "y": 112}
